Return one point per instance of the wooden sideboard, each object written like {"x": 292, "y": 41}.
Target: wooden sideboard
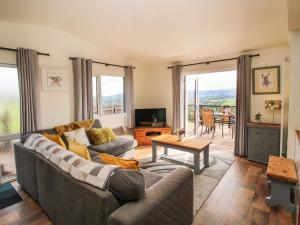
{"x": 263, "y": 140}
{"x": 144, "y": 134}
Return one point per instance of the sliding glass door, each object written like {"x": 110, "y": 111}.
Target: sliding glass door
{"x": 216, "y": 91}
{"x": 9, "y": 120}
{"x": 192, "y": 117}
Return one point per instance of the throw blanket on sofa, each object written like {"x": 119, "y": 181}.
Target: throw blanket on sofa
{"x": 86, "y": 124}
{"x": 81, "y": 169}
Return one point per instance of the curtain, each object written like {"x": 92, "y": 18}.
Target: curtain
{"x": 176, "y": 75}
{"x": 83, "y": 89}
{"x": 129, "y": 96}
{"x": 29, "y": 85}
{"x": 243, "y": 101}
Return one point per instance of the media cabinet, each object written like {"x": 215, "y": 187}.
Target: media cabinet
{"x": 143, "y": 134}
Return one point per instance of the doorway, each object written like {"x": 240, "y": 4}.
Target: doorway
{"x": 215, "y": 92}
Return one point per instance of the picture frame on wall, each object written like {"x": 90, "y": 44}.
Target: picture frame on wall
{"x": 55, "y": 79}
{"x": 266, "y": 80}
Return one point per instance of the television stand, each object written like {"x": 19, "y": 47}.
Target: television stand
{"x": 144, "y": 134}
{"x": 151, "y": 124}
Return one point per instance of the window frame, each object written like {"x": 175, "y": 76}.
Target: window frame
{"x": 99, "y": 95}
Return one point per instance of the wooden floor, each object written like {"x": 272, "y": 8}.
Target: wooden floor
{"x": 238, "y": 199}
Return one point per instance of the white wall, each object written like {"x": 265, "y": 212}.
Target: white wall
{"x": 269, "y": 57}
{"x": 57, "y": 107}
{"x": 294, "y": 99}
{"x": 155, "y": 87}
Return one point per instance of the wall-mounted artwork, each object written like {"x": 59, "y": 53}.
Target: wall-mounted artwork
{"x": 266, "y": 80}
{"x": 55, "y": 79}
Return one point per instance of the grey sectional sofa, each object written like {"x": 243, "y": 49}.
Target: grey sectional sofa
{"x": 124, "y": 146}
{"x": 168, "y": 200}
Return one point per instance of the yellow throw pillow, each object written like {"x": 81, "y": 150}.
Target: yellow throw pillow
{"x": 123, "y": 163}
{"x": 56, "y": 138}
{"x": 101, "y": 135}
{"x": 79, "y": 149}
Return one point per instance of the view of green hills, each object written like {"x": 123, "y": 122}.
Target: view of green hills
{"x": 219, "y": 97}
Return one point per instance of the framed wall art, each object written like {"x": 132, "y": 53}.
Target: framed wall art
{"x": 55, "y": 79}
{"x": 266, "y": 80}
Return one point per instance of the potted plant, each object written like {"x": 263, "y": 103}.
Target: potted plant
{"x": 258, "y": 117}
{"x": 180, "y": 133}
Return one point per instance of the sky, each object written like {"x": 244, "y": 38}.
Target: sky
{"x": 111, "y": 85}
{"x": 214, "y": 81}
{"x": 9, "y": 82}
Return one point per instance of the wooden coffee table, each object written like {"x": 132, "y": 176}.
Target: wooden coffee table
{"x": 192, "y": 145}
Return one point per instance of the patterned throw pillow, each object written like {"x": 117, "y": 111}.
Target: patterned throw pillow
{"x": 101, "y": 135}
{"x": 78, "y": 136}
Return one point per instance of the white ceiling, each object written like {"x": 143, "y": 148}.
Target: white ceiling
{"x": 160, "y": 30}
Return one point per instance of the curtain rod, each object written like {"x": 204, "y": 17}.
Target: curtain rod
{"x": 14, "y": 50}
{"x": 214, "y": 61}
{"x": 106, "y": 64}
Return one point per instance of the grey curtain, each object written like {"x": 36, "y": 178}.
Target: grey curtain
{"x": 129, "y": 95}
{"x": 29, "y": 85}
{"x": 176, "y": 75}
{"x": 243, "y": 102}
{"x": 83, "y": 92}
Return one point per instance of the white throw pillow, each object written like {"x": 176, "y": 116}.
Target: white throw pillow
{"x": 78, "y": 136}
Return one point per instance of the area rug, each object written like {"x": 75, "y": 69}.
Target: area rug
{"x": 205, "y": 182}
{"x": 8, "y": 195}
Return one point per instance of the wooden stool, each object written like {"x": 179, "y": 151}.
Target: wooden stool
{"x": 282, "y": 177}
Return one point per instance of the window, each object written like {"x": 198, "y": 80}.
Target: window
{"x": 9, "y": 101}
{"x": 9, "y": 120}
{"x": 108, "y": 95}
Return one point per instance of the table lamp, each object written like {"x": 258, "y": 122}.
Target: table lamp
{"x": 273, "y": 105}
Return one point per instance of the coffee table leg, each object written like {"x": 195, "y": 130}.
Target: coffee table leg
{"x": 206, "y": 156}
{"x": 196, "y": 162}
{"x": 154, "y": 152}
{"x": 166, "y": 151}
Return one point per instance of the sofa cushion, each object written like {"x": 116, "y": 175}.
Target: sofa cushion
{"x": 78, "y": 136}
{"x": 117, "y": 147}
{"x": 121, "y": 162}
{"x": 56, "y": 138}
{"x": 79, "y": 149}
{"x": 86, "y": 124}
{"x": 126, "y": 185}
{"x": 119, "y": 131}
{"x": 101, "y": 136}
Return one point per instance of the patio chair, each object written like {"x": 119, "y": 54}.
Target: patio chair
{"x": 208, "y": 121}
{"x": 230, "y": 121}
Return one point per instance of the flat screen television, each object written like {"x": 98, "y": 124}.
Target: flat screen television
{"x": 150, "y": 117}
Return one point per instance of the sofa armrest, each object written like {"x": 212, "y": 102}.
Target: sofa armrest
{"x": 168, "y": 202}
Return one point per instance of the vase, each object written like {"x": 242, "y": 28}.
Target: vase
{"x": 258, "y": 121}
{"x": 180, "y": 137}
